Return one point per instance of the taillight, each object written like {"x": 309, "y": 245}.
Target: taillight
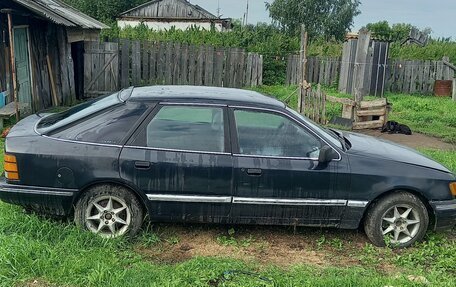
{"x": 11, "y": 170}
{"x": 453, "y": 188}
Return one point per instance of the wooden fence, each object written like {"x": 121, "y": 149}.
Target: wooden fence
{"x": 408, "y": 77}
{"x": 319, "y": 70}
{"x": 313, "y": 103}
{"x": 415, "y": 77}
{"x": 147, "y": 63}
{"x": 111, "y": 66}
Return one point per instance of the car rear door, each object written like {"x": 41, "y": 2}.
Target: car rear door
{"x": 180, "y": 157}
{"x": 277, "y": 176}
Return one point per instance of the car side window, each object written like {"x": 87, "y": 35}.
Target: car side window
{"x": 187, "y": 128}
{"x": 108, "y": 127}
{"x": 270, "y": 134}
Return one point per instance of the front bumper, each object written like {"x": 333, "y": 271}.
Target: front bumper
{"x": 445, "y": 214}
{"x": 55, "y": 201}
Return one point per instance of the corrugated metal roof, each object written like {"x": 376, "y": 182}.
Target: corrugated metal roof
{"x": 61, "y": 13}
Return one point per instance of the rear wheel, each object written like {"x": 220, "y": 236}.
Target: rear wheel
{"x": 400, "y": 219}
{"x": 109, "y": 211}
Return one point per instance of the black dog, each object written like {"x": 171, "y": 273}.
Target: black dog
{"x": 393, "y": 127}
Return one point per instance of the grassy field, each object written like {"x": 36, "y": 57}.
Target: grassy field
{"x": 35, "y": 251}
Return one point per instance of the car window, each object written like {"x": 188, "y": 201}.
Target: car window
{"x": 78, "y": 112}
{"x": 187, "y": 128}
{"x": 107, "y": 127}
{"x": 270, "y": 134}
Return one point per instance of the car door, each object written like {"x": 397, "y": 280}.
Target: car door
{"x": 277, "y": 176}
{"x": 180, "y": 157}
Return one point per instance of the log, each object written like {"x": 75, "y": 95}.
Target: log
{"x": 368, "y": 125}
{"x": 376, "y": 112}
{"x": 372, "y": 104}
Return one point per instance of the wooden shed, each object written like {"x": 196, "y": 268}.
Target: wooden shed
{"x": 46, "y": 38}
{"x": 166, "y": 14}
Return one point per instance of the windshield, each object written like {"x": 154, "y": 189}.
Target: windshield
{"x": 78, "y": 112}
{"x": 329, "y": 136}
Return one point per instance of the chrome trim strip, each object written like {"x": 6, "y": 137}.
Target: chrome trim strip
{"x": 276, "y": 157}
{"x": 164, "y": 103}
{"x": 357, "y": 203}
{"x": 82, "y": 142}
{"x": 445, "y": 207}
{"x": 177, "y": 150}
{"x": 37, "y": 191}
{"x": 294, "y": 202}
{"x": 189, "y": 198}
{"x": 292, "y": 119}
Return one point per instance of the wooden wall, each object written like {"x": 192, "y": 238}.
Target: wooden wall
{"x": 47, "y": 42}
{"x": 170, "y": 9}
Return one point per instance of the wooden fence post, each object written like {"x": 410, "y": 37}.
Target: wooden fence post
{"x": 360, "y": 64}
{"x": 454, "y": 89}
{"x": 302, "y": 69}
{"x": 13, "y": 61}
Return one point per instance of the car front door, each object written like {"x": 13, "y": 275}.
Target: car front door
{"x": 277, "y": 176}
{"x": 180, "y": 157}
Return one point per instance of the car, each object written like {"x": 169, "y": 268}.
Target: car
{"x": 219, "y": 155}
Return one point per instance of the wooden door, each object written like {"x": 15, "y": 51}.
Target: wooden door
{"x": 21, "y": 54}
{"x": 101, "y": 68}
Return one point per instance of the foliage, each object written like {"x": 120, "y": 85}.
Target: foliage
{"x": 328, "y": 18}
{"x": 395, "y": 33}
{"x": 434, "y": 50}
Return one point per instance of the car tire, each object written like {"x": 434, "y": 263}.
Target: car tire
{"x": 397, "y": 220}
{"x": 109, "y": 211}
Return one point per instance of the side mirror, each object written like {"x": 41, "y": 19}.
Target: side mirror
{"x": 327, "y": 154}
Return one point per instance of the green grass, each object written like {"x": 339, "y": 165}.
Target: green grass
{"x": 447, "y": 158}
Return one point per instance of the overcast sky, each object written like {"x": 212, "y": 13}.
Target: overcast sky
{"x": 440, "y": 15}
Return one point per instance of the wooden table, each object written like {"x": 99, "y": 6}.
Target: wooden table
{"x": 9, "y": 110}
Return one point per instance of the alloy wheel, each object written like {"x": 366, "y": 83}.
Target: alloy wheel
{"x": 108, "y": 216}
{"x": 401, "y": 223}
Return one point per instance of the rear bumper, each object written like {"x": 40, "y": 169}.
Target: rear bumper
{"x": 55, "y": 201}
{"x": 445, "y": 214}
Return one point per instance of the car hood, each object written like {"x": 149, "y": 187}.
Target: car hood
{"x": 379, "y": 148}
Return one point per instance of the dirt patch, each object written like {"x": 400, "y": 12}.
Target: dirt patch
{"x": 414, "y": 141}
{"x": 278, "y": 246}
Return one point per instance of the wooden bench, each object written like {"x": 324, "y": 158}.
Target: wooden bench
{"x": 9, "y": 110}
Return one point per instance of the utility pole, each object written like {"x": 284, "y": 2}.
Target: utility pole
{"x": 218, "y": 9}
{"x": 247, "y": 14}
{"x": 303, "y": 85}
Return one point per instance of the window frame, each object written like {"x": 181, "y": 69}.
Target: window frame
{"x": 235, "y": 138}
{"x": 132, "y": 142}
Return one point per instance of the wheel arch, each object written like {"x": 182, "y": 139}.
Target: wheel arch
{"x": 141, "y": 196}
{"x": 416, "y": 192}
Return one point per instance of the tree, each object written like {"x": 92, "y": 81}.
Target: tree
{"x": 397, "y": 32}
{"x": 327, "y": 18}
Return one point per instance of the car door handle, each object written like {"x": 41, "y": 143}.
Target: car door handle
{"x": 254, "y": 171}
{"x": 142, "y": 164}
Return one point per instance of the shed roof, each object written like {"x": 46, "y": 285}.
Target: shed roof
{"x": 202, "y": 11}
{"x": 60, "y": 13}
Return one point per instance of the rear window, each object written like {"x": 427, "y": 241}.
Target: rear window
{"x": 78, "y": 112}
{"x": 110, "y": 126}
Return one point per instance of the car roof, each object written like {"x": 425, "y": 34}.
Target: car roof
{"x": 204, "y": 94}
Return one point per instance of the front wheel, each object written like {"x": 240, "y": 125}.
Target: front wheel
{"x": 109, "y": 211}
{"x": 400, "y": 219}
